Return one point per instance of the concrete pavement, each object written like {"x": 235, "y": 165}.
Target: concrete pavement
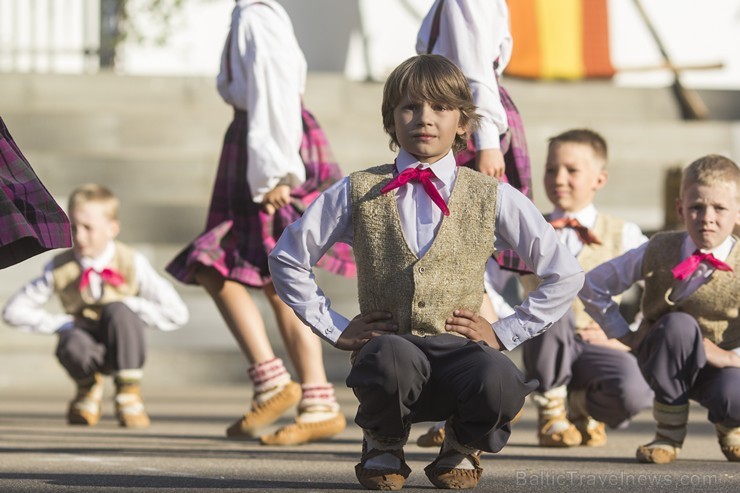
{"x": 185, "y": 450}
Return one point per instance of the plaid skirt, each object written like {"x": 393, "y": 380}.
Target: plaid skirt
{"x": 239, "y": 236}
{"x": 514, "y": 147}
{"x": 31, "y": 222}
{"x": 518, "y": 172}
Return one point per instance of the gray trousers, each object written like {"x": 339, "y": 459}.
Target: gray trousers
{"x": 117, "y": 343}
{"x": 673, "y": 360}
{"x": 405, "y": 379}
{"x": 615, "y": 388}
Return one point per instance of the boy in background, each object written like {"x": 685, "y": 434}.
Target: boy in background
{"x": 688, "y": 343}
{"x": 586, "y": 380}
{"x": 109, "y": 294}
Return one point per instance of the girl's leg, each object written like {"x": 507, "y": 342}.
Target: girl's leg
{"x": 274, "y": 393}
{"x": 319, "y": 415}
{"x": 240, "y": 314}
{"x": 303, "y": 346}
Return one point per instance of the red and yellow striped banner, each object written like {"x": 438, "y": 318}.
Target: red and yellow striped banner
{"x": 560, "y": 39}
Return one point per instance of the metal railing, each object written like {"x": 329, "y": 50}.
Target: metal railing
{"x": 50, "y": 36}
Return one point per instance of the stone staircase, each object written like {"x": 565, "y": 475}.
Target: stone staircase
{"x": 155, "y": 141}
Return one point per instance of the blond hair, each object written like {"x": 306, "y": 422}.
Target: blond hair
{"x": 583, "y": 136}
{"x": 431, "y": 78}
{"x": 712, "y": 169}
{"x": 95, "y": 193}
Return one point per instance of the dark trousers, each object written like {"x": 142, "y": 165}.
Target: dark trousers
{"x": 117, "y": 343}
{"x": 674, "y": 363}
{"x": 615, "y": 388}
{"x": 405, "y": 379}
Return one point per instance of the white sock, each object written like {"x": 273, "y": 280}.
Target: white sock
{"x": 269, "y": 378}
{"x": 383, "y": 461}
{"x": 458, "y": 460}
{"x": 318, "y": 403}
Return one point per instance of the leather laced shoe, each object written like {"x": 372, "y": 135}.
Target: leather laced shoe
{"x": 130, "y": 406}
{"x": 434, "y": 437}
{"x": 381, "y": 479}
{"x": 454, "y": 479}
{"x": 593, "y": 433}
{"x": 306, "y": 431}
{"x": 659, "y": 451}
{"x": 265, "y": 413}
{"x": 86, "y": 407}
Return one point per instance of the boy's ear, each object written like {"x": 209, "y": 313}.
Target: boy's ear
{"x": 601, "y": 179}
{"x": 114, "y": 228}
{"x": 679, "y": 208}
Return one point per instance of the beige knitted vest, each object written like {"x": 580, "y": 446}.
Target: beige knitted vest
{"x": 67, "y": 273}
{"x": 421, "y": 293}
{"x": 714, "y": 305}
{"x": 608, "y": 229}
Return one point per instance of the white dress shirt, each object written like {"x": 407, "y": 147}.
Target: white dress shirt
{"x": 616, "y": 276}
{"x": 474, "y": 34}
{"x": 632, "y": 235}
{"x": 268, "y": 78}
{"x": 519, "y": 226}
{"x": 157, "y": 302}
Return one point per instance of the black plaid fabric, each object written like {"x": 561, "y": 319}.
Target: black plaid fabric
{"x": 31, "y": 222}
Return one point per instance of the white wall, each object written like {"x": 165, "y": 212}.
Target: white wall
{"x": 366, "y": 38}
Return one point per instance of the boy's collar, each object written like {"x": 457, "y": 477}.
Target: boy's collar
{"x": 444, "y": 169}
{"x": 721, "y": 251}
{"x": 586, "y": 216}
{"x": 101, "y": 260}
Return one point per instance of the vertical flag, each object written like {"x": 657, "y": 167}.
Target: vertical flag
{"x": 560, "y": 39}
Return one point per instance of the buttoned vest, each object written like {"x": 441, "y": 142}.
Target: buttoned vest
{"x": 67, "y": 273}
{"x": 421, "y": 293}
{"x": 714, "y": 305}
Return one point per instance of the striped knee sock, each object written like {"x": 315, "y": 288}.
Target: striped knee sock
{"x": 318, "y": 402}
{"x": 268, "y": 378}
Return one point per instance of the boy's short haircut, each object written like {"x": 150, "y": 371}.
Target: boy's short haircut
{"x": 581, "y": 136}
{"x": 711, "y": 170}
{"x": 435, "y": 79}
{"x": 93, "y": 192}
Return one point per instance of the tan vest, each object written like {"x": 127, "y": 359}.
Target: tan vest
{"x": 67, "y": 273}
{"x": 421, "y": 293}
{"x": 608, "y": 229}
{"x": 714, "y": 305}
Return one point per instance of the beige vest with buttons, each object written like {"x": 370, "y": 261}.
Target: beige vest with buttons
{"x": 608, "y": 229}
{"x": 67, "y": 274}
{"x": 421, "y": 293}
{"x": 714, "y": 305}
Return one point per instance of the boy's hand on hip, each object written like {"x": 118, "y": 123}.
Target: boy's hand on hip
{"x": 474, "y": 327}
{"x": 276, "y": 198}
{"x": 490, "y": 162}
{"x": 362, "y": 328}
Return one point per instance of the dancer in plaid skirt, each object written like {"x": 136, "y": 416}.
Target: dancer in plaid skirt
{"x": 31, "y": 222}
{"x": 275, "y": 161}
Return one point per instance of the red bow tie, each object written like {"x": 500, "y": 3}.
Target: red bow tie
{"x": 584, "y": 234}
{"x": 423, "y": 176}
{"x": 110, "y": 276}
{"x": 687, "y": 267}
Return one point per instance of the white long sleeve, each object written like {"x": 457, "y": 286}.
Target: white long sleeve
{"x": 267, "y": 80}
{"x": 26, "y": 311}
{"x": 474, "y": 34}
{"x": 519, "y": 226}
{"x": 157, "y": 302}
{"x": 617, "y": 275}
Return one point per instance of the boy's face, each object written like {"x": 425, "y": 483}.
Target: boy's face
{"x": 426, "y": 130}
{"x": 573, "y": 174}
{"x": 92, "y": 229}
{"x": 710, "y": 212}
